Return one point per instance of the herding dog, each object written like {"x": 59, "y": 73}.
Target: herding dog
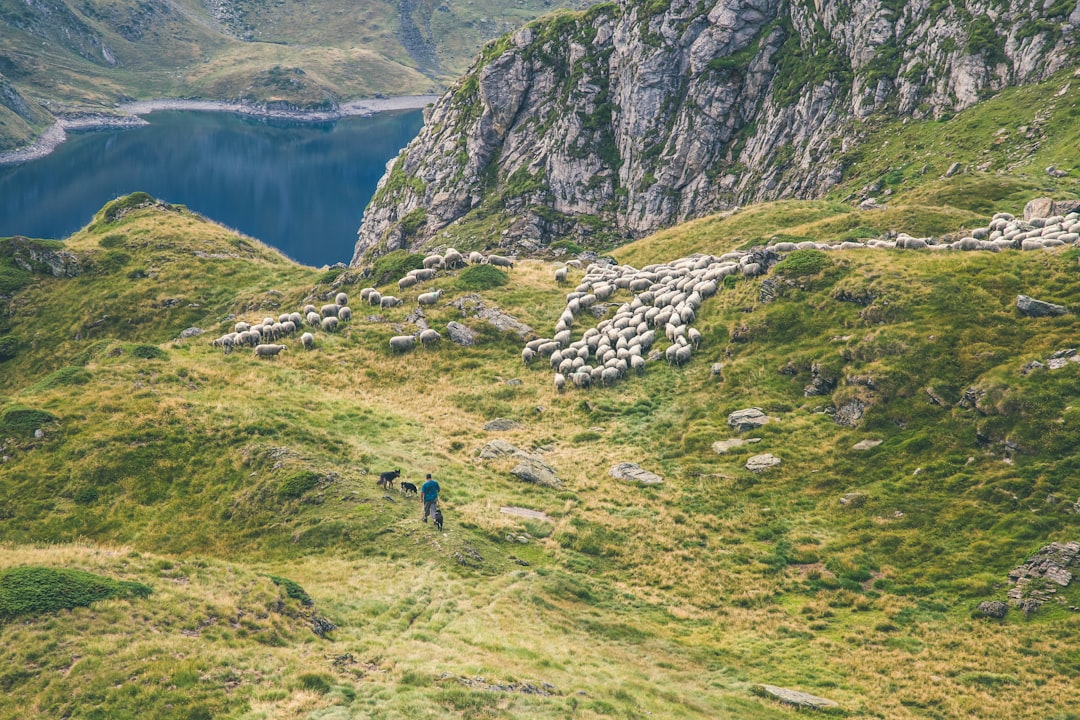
{"x": 386, "y": 479}
{"x": 408, "y": 488}
{"x": 438, "y": 518}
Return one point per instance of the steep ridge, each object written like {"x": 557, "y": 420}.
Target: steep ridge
{"x": 629, "y": 117}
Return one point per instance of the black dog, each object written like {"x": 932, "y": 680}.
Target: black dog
{"x": 438, "y": 518}
{"x": 386, "y": 479}
{"x": 408, "y": 488}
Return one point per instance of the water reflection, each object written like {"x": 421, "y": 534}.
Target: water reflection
{"x": 299, "y": 187}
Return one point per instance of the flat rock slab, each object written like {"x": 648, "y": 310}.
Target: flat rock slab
{"x": 722, "y": 446}
{"x": 632, "y": 472}
{"x": 497, "y": 449}
{"x": 502, "y": 424}
{"x": 533, "y": 471}
{"x": 761, "y": 463}
{"x": 525, "y": 513}
{"x": 747, "y": 419}
{"x": 796, "y": 697}
{"x": 460, "y": 334}
{"x": 866, "y": 444}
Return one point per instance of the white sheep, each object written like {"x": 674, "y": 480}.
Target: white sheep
{"x": 375, "y": 298}
{"x": 423, "y": 275}
{"x": 433, "y": 261}
{"x": 401, "y": 343}
{"x": 330, "y": 324}
{"x": 329, "y": 310}
{"x": 560, "y": 275}
{"x": 476, "y": 258}
{"x": 406, "y": 282}
{"x": 341, "y": 299}
{"x": 283, "y": 318}
{"x": 389, "y": 301}
{"x": 296, "y": 319}
{"x": 241, "y": 327}
{"x": 527, "y": 354}
{"x": 313, "y": 319}
{"x": 268, "y": 350}
{"x": 560, "y": 382}
{"x": 226, "y": 342}
{"x": 365, "y": 292}
{"x": 429, "y": 337}
{"x": 307, "y": 340}
{"x": 429, "y": 298}
{"x": 344, "y": 313}
{"x": 309, "y": 308}
{"x": 500, "y": 261}
{"x": 452, "y": 259}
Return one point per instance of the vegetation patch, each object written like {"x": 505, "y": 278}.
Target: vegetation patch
{"x": 480, "y": 277}
{"x": 292, "y": 589}
{"x": 800, "y": 263}
{"x": 25, "y": 420}
{"x": 395, "y": 265}
{"x": 149, "y": 352}
{"x": 296, "y": 485}
{"x": 38, "y": 590}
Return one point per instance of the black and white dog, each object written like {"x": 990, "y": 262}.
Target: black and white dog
{"x": 408, "y": 488}
{"x": 438, "y": 518}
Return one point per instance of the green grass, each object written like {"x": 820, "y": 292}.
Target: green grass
{"x": 242, "y": 491}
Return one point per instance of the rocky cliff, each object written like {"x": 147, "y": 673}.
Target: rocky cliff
{"x": 635, "y": 115}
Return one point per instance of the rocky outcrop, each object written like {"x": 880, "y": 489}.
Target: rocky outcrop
{"x": 43, "y": 257}
{"x": 622, "y": 119}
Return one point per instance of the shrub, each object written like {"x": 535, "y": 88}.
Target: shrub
{"x": 149, "y": 352}
{"x": 113, "y": 241}
{"x": 296, "y": 485}
{"x": 802, "y": 262}
{"x": 64, "y": 377}
{"x": 292, "y": 589}
{"x": 393, "y": 266}
{"x": 481, "y": 277}
{"x": 86, "y": 496}
{"x": 412, "y": 221}
{"x": 9, "y": 347}
{"x": 13, "y": 279}
{"x": 315, "y": 682}
{"x": 36, "y": 590}
{"x": 25, "y": 420}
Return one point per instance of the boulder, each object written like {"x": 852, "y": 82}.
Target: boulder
{"x": 850, "y": 413}
{"x": 533, "y": 471}
{"x": 460, "y": 334}
{"x": 631, "y": 472}
{"x": 866, "y": 444}
{"x": 993, "y": 608}
{"x": 853, "y": 499}
{"x": 761, "y": 463}
{"x": 1030, "y": 307}
{"x": 496, "y": 449}
{"x": 747, "y": 419}
{"x": 500, "y": 424}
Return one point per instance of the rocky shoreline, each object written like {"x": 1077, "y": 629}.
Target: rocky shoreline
{"x": 130, "y": 115}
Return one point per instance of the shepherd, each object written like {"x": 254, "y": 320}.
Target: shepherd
{"x": 429, "y": 492}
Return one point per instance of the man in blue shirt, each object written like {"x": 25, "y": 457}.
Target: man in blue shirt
{"x": 429, "y": 492}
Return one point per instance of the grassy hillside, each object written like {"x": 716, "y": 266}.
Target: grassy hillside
{"x": 77, "y": 57}
{"x": 165, "y": 462}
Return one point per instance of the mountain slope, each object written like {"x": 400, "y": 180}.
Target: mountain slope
{"x": 86, "y": 57}
{"x": 629, "y": 117}
{"x": 197, "y": 473}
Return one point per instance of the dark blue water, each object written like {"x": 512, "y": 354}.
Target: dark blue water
{"x": 299, "y": 187}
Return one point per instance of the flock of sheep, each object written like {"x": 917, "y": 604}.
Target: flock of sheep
{"x": 254, "y": 335}
{"x": 666, "y": 299}
{"x": 328, "y": 317}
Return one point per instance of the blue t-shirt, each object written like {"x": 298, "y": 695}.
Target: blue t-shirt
{"x": 430, "y": 491}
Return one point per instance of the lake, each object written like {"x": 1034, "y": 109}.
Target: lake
{"x": 300, "y": 187}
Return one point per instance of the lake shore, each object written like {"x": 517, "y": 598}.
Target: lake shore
{"x": 130, "y": 115}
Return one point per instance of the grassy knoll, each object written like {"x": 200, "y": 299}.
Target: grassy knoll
{"x": 164, "y": 462}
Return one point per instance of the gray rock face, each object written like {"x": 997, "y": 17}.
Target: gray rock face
{"x": 993, "y": 608}
{"x": 761, "y": 463}
{"x": 473, "y": 306}
{"x": 1031, "y": 307}
{"x": 534, "y": 471}
{"x": 748, "y": 419}
{"x": 460, "y": 334}
{"x": 692, "y": 109}
{"x": 32, "y": 257}
{"x": 631, "y": 472}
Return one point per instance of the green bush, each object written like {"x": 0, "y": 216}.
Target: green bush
{"x": 315, "y": 682}
{"x": 113, "y": 241}
{"x": 37, "y": 590}
{"x": 65, "y": 377}
{"x": 149, "y": 352}
{"x": 9, "y": 347}
{"x": 292, "y": 589}
{"x": 393, "y": 266}
{"x": 296, "y": 485}
{"x": 25, "y": 420}
{"x": 803, "y": 262}
{"x": 86, "y": 496}
{"x": 413, "y": 221}
{"x": 116, "y": 209}
{"x": 481, "y": 277}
